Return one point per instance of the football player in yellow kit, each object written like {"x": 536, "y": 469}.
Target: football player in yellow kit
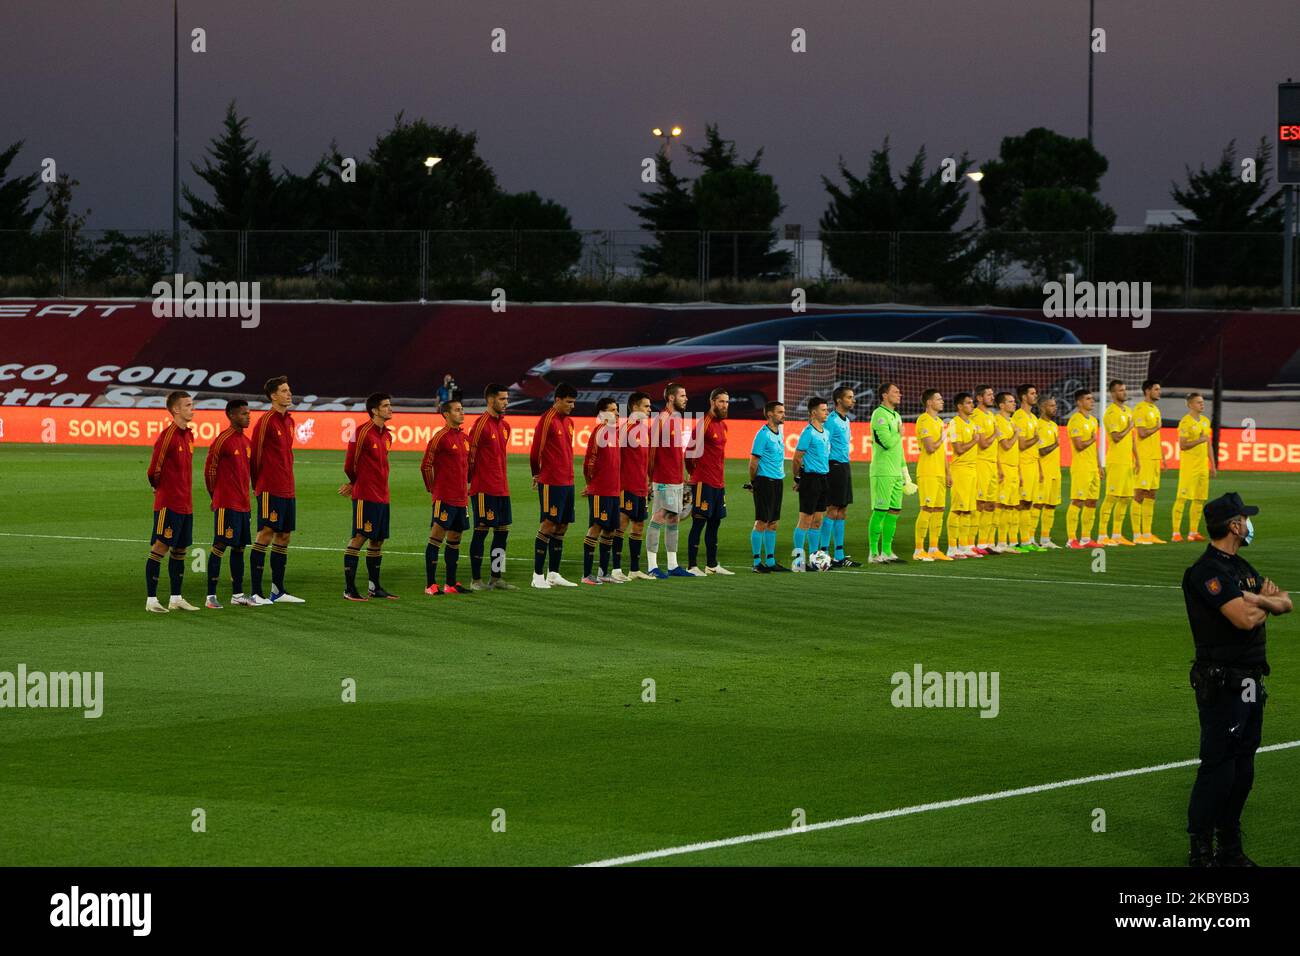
{"x": 1008, "y": 442}
{"x": 984, "y": 418}
{"x": 1049, "y": 486}
{"x": 963, "y": 441}
{"x": 932, "y": 479}
{"x": 1085, "y": 472}
{"x": 1031, "y": 469}
{"x": 1146, "y": 423}
{"x": 1121, "y": 465}
{"x": 1196, "y": 467}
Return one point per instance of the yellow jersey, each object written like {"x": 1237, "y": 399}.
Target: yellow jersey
{"x": 1120, "y": 453}
{"x": 1147, "y": 415}
{"x": 1026, "y": 425}
{"x": 930, "y": 463}
{"x": 1083, "y": 427}
{"x": 1195, "y": 461}
{"x": 985, "y": 423}
{"x": 1009, "y": 457}
{"x": 1049, "y": 433}
{"x": 964, "y": 431}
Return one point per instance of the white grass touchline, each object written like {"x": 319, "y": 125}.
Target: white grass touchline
{"x": 1017, "y": 580}
{"x": 196, "y": 544}
{"x": 891, "y": 574}
{"x": 906, "y": 811}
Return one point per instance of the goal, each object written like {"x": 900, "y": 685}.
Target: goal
{"x": 817, "y": 368}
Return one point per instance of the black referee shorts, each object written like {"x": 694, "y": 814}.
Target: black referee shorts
{"x": 839, "y": 493}
{"x": 767, "y": 499}
{"x": 812, "y": 493}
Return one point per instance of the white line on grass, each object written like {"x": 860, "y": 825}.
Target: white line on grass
{"x": 891, "y": 574}
{"x": 75, "y": 537}
{"x": 905, "y": 811}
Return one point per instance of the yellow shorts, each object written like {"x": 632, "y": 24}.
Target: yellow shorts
{"x": 1119, "y": 482}
{"x": 1009, "y": 486}
{"x": 1148, "y": 476}
{"x": 1049, "y": 491}
{"x": 986, "y": 481}
{"x": 963, "y": 489}
{"x": 932, "y": 491}
{"x": 1029, "y": 479}
{"x": 1195, "y": 487}
{"x": 1085, "y": 485}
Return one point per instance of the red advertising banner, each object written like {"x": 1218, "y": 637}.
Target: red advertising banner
{"x": 1240, "y": 449}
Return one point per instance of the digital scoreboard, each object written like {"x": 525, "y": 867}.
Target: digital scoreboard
{"x": 1288, "y": 132}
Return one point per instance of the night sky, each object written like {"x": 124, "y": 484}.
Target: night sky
{"x": 568, "y": 109}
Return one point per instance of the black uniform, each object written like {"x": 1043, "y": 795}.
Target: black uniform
{"x": 1228, "y": 678}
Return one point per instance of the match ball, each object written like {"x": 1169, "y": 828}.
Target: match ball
{"x": 820, "y": 560}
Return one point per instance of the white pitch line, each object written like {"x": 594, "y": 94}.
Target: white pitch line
{"x": 141, "y": 540}
{"x": 905, "y": 811}
{"x": 891, "y": 574}
{"x": 1017, "y": 580}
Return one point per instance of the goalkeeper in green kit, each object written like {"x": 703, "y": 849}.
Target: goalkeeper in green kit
{"x": 889, "y": 475}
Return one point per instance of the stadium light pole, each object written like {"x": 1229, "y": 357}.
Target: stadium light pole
{"x": 668, "y": 138}
{"x": 976, "y": 178}
{"x": 1091, "y": 11}
{"x": 176, "y": 138}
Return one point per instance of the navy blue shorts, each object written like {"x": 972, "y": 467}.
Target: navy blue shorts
{"x": 172, "y": 528}
{"x": 451, "y": 517}
{"x": 603, "y": 511}
{"x": 634, "y": 506}
{"x": 276, "y": 513}
{"x": 491, "y": 511}
{"x": 556, "y": 502}
{"x": 370, "y": 520}
{"x": 234, "y": 529}
{"x": 709, "y": 502}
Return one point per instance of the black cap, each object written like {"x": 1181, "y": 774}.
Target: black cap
{"x": 1226, "y": 507}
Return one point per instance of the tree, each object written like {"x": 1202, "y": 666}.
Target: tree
{"x": 669, "y": 212}
{"x": 545, "y": 246}
{"x": 730, "y": 199}
{"x": 1221, "y": 201}
{"x": 16, "y": 194}
{"x": 243, "y": 190}
{"x": 1044, "y": 184}
{"x": 857, "y": 217}
{"x": 1223, "y": 206}
{"x": 19, "y": 254}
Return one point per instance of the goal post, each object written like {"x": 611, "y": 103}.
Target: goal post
{"x": 817, "y": 368}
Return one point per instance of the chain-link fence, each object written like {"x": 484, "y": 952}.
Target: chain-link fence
{"x": 1185, "y": 269}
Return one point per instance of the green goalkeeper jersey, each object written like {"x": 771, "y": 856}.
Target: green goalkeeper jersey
{"x": 886, "y": 442}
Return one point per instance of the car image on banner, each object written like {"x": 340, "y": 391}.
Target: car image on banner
{"x": 744, "y": 358}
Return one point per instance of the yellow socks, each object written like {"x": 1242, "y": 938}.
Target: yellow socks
{"x": 1047, "y": 520}
{"x": 1117, "y": 518}
{"x": 1148, "y": 516}
{"x": 1085, "y": 521}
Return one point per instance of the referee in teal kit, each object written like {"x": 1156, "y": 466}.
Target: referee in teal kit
{"x": 767, "y": 482}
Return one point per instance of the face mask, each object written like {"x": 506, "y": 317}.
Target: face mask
{"x": 1250, "y": 533}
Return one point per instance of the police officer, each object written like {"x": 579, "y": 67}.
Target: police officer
{"x": 1228, "y": 602}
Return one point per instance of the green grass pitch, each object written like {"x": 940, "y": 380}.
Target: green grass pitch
{"x": 772, "y": 694}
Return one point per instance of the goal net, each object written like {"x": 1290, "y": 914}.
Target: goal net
{"x": 818, "y": 368}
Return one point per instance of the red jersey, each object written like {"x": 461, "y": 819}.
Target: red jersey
{"x": 446, "y": 466}
{"x": 272, "y": 460}
{"x": 601, "y": 465}
{"x": 667, "y": 449}
{"x": 634, "y": 457}
{"x": 488, "y": 441}
{"x": 551, "y": 457}
{"x": 366, "y": 464}
{"x": 709, "y": 448}
{"x": 171, "y": 470}
{"x": 226, "y": 470}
